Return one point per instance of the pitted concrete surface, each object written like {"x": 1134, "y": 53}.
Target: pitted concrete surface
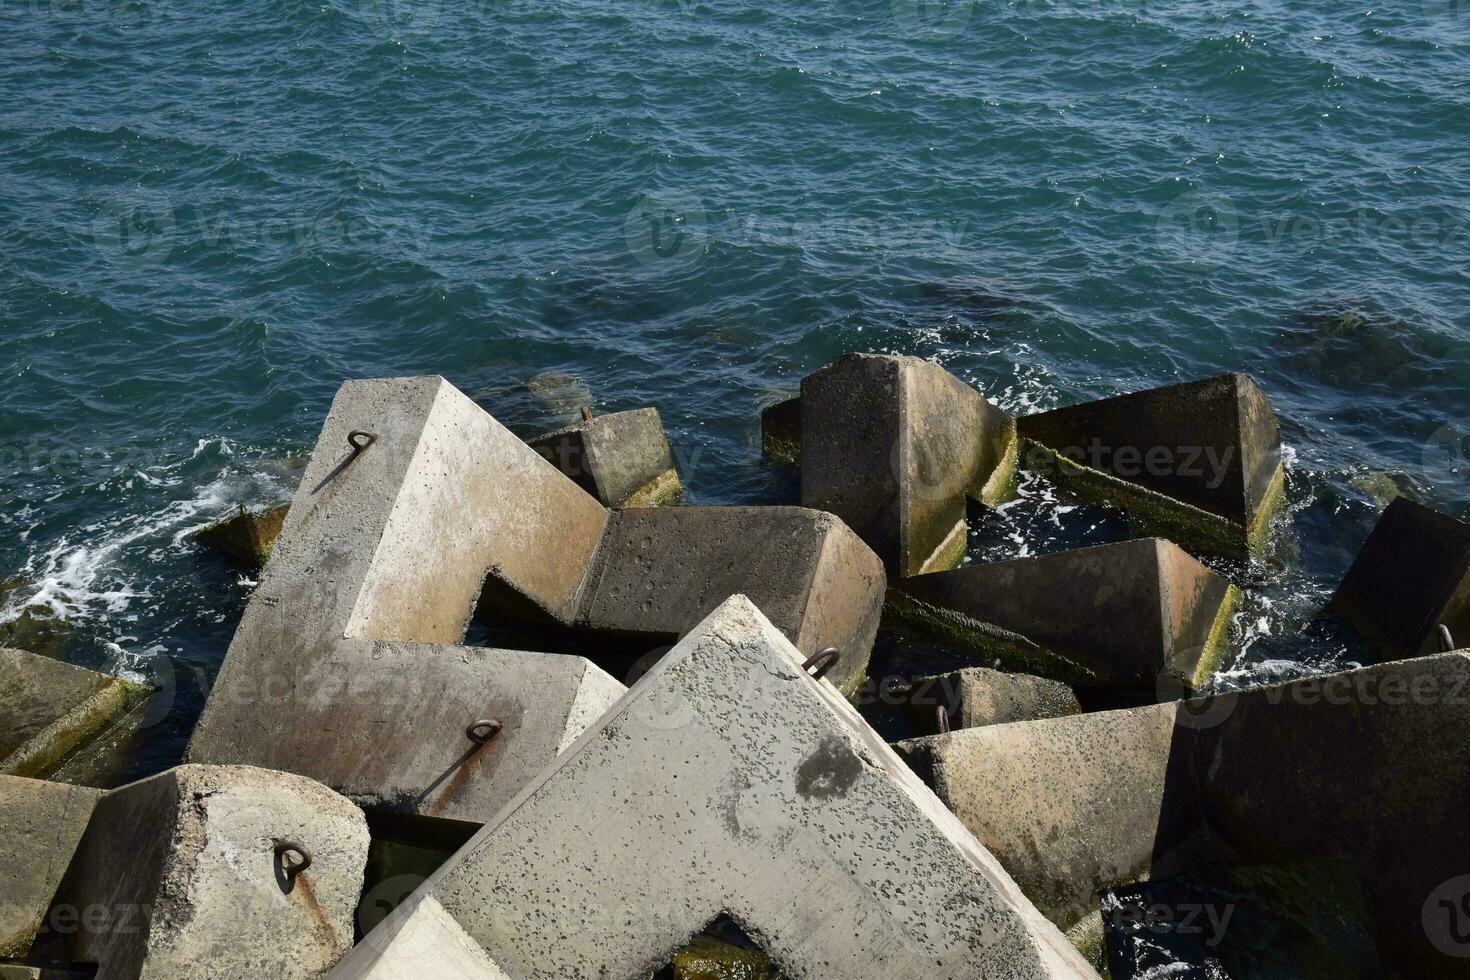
{"x": 1326, "y": 767}
{"x": 1138, "y": 613}
{"x": 184, "y": 869}
{"x": 660, "y": 572}
{"x": 343, "y": 667}
{"x": 893, "y": 446}
{"x": 622, "y": 459}
{"x": 978, "y": 696}
{"x": 417, "y": 942}
{"x": 1412, "y": 575}
{"x": 729, "y": 781}
{"x": 41, "y": 824}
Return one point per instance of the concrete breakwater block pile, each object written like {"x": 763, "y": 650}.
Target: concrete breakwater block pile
{"x": 684, "y": 789}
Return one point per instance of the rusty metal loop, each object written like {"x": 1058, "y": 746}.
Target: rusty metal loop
{"x": 822, "y": 661}
{"x": 1446, "y": 641}
{"x": 586, "y": 414}
{"x": 484, "y": 730}
{"x": 293, "y": 868}
{"x": 942, "y": 714}
{"x": 360, "y": 440}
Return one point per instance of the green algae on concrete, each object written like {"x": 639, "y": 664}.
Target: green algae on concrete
{"x": 707, "y": 958}
{"x": 41, "y": 824}
{"x": 55, "y": 710}
{"x": 247, "y": 536}
{"x": 781, "y": 431}
{"x": 661, "y": 491}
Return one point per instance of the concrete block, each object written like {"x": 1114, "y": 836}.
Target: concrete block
{"x": 781, "y": 430}
{"x": 977, "y": 696}
{"x": 1199, "y": 462}
{"x": 248, "y": 536}
{"x": 729, "y": 782}
{"x": 1412, "y": 576}
{"x": 1140, "y": 615}
{"x": 1323, "y": 768}
{"x": 182, "y": 875}
{"x": 659, "y": 573}
{"x": 41, "y": 824}
{"x": 345, "y": 666}
{"x": 622, "y": 459}
{"x": 418, "y": 940}
{"x": 54, "y": 709}
{"x": 894, "y": 446}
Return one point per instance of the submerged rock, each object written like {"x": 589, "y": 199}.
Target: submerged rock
{"x": 1358, "y": 344}
{"x": 707, "y": 958}
{"x": 247, "y": 536}
{"x": 563, "y": 395}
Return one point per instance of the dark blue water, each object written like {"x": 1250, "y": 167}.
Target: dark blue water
{"x": 211, "y": 213}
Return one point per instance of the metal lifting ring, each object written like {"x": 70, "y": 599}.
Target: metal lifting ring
{"x": 942, "y": 714}
{"x": 360, "y": 440}
{"x": 293, "y": 868}
{"x": 1446, "y": 641}
{"x": 483, "y": 731}
{"x": 822, "y": 661}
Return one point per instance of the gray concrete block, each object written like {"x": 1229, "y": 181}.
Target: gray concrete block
{"x": 1412, "y": 576}
{"x": 781, "y": 430}
{"x": 894, "y": 446}
{"x": 344, "y": 667}
{"x": 622, "y": 459}
{"x": 977, "y": 696}
{"x": 41, "y": 824}
{"x": 53, "y": 709}
{"x": 659, "y": 573}
{"x": 728, "y": 781}
{"x": 1198, "y": 462}
{"x": 1327, "y": 767}
{"x": 179, "y": 875}
{"x": 418, "y": 940}
{"x": 1140, "y": 615}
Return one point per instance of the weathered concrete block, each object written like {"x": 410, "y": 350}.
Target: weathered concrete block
{"x": 248, "y": 536}
{"x": 1149, "y": 793}
{"x": 418, "y": 940}
{"x": 197, "y": 872}
{"x": 781, "y": 430}
{"x": 1199, "y": 462}
{"x": 622, "y": 459}
{"x": 343, "y": 668}
{"x": 894, "y": 446}
{"x": 729, "y": 782}
{"x": 977, "y": 696}
{"x": 658, "y": 573}
{"x": 1412, "y": 576}
{"x": 53, "y": 709}
{"x": 41, "y": 824}
{"x": 1139, "y": 614}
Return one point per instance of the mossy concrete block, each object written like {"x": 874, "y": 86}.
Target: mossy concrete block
{"x": 54, "y": 709}
{"x": 185, "y": 869}
{"x": 622, "y": 459}
{"x": 41, "y": 824}
{"x": 1412, "y": 576}
{"x": 419, "y": 940}
{"x": 729, "y": 781}
{"x": 247, "y": 536}
{"x": 658, "y": 573}
{"x": 894, "y": 446}
{"x": 1140, "y": 615}
{"x": 781, "y": 431}
{"x": 1199, "y": 462}
{"x": 1323, "y": 768}
{"x": 978, "y": 696}
{"x": 347, "y": 666}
